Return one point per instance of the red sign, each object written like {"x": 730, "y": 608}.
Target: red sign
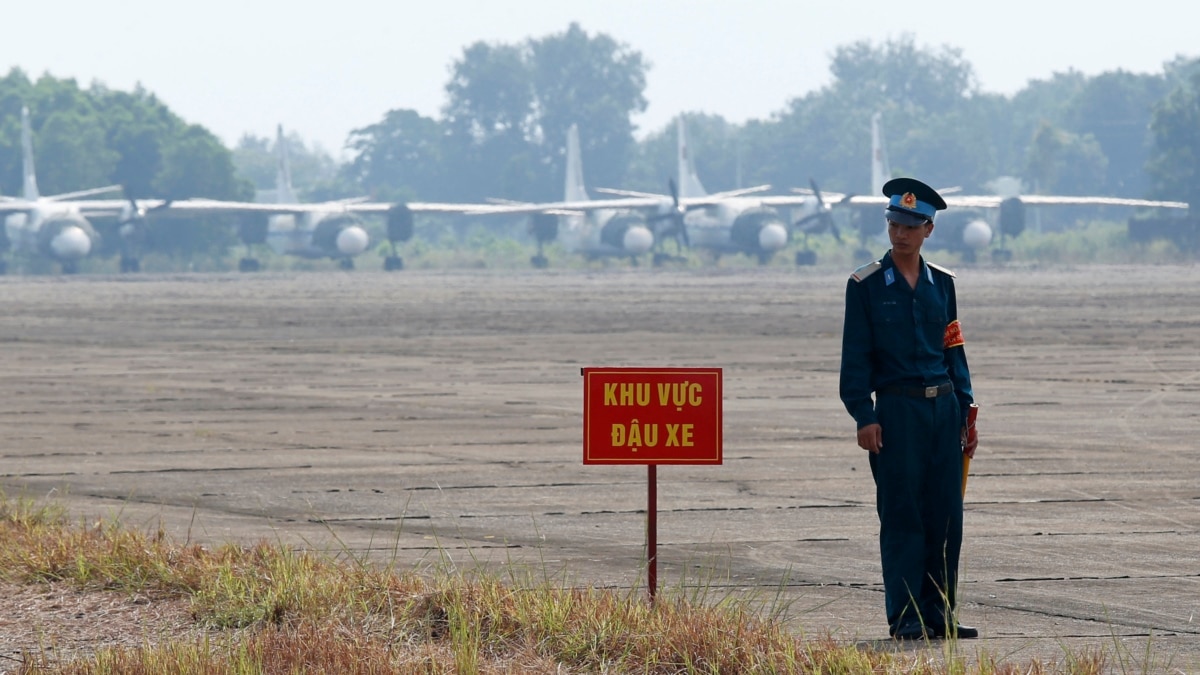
{"x": 651, "y": 415}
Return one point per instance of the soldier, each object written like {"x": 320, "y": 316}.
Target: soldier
{"x": 902, "y": 342}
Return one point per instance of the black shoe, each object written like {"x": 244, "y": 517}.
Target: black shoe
{"x": 960, "y": 632}
{"x": 910, "y": 633}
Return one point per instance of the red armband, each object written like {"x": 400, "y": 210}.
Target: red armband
{"x": 953, "y": 336}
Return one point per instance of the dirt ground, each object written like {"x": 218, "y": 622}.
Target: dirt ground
{"x": 435, "y": 418}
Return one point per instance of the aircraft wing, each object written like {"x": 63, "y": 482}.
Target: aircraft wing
{"x": 1065, "y": 200}
{"x": 575, "y": 207}
{"x": 102, "y": 208}
{"x": 93, "y": 207}
{"x": 993, "y": 201}
{"x": 196, "y": 207}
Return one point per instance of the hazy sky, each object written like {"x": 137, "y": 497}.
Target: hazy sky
{"x": 324, "y": 68}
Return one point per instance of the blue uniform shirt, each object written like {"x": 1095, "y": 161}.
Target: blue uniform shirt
{"x": 896, "y": 335}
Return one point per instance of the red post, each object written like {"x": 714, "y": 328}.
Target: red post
{"x": 652, "y": 530}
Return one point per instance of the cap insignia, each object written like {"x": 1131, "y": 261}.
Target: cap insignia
{"x": 908, "y": 201}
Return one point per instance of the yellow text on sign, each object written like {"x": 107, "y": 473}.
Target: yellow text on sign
{"x": 634, "y": 435}
{"x": 678, "y": 394}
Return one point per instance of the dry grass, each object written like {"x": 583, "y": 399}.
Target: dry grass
{"x": 269, "y": 609}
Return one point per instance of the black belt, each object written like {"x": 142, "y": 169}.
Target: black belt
{"x": 932, "y": 391}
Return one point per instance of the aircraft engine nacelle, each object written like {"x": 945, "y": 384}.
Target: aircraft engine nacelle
{"x": 66, "y": 238}
{"x": 252, "y": 229}
{"x": 627, "y": 233}
{"x": 339, "y": 237}
{"x": 1012, "y": 216}
{"x": 759, "y": 230}
{"x": 399, "y": 223}
{"x": 544, "y": 227}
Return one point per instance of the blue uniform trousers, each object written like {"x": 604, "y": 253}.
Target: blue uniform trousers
{"x": 918, "y": 496}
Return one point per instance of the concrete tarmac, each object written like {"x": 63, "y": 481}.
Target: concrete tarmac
{"x": 435, "y": 418}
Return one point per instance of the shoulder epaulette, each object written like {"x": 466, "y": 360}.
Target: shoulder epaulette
{"x": 866, "y": 270}
{"x": 941, "y": 269}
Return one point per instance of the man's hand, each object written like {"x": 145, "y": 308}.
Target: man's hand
{"x": 870, "y": 438}
{"x": 969, "y": 442}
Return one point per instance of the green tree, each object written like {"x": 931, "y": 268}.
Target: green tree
{"x": 925, "y": 97}
{"x": 196, "y": 164}
{"x": 1061, "y": 162}
{"x": 1114, "y": 108}
{"x": 489, "y": 118}
{"x": 71, "y": 153}
{"x": 596, "y": 83}
{"x": 400, "y": 157}
{"x": 1174, "y": 163}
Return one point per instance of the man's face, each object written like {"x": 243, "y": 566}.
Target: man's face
{"x": 906, "y": 239}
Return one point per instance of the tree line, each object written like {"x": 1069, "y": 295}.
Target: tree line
{"x": 501, "y": 132}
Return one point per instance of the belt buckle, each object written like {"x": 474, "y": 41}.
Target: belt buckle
{"x": 931, "y": 392}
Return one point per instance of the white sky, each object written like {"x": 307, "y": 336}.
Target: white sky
{"x": 324, "y": 68}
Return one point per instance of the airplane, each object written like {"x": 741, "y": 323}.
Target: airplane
{"x": 58, "y": 227}
{"x": 733, "y": 221}
{"x": 328, "y": 230}
{"x": 53, "y": 226}
{"x": 594, "y": 233}
{"x": 331, "y": 229}
{"x": 595, "y": 229}
{"x": 964, "y": 228}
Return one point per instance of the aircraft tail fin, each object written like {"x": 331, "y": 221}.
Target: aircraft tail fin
{"x": 881, "y": 171}
{"x": 574, "y": 189}
{"x": 30, "y": 188}
{"x": 284, "y": 194}
{"x": 689, "y": 182}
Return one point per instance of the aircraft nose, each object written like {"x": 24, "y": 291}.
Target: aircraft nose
{"x": 772, "y": 237}
{"x": 72, "y": 243}
{"x": 638, "y": 239}
{"x": 352, "y": 240}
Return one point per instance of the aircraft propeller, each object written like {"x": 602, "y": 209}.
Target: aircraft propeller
{"x": 822, "y": 219}
{"x": 677, "y": 227}
{"x": 132, "y": 227}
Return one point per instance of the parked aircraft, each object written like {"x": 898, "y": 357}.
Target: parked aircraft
{"x": 328, "y": 230}
{"x": 594, "y": 233}
{"x": 734, "y": 221}
{"x": 331, "y": 229}
{"x": 52, "y": 226}
{"x": 58, "y": 227}
{"x": 964, "y": 227}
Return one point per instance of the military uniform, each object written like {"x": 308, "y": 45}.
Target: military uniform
{"x": 903, "y": 345}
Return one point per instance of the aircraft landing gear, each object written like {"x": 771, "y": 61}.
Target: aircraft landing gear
{"x": 393, "y": 263}
{"x": 661, "y": 259}
{"x": 249, "y": 265}
{"x": 806, "y": 258}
